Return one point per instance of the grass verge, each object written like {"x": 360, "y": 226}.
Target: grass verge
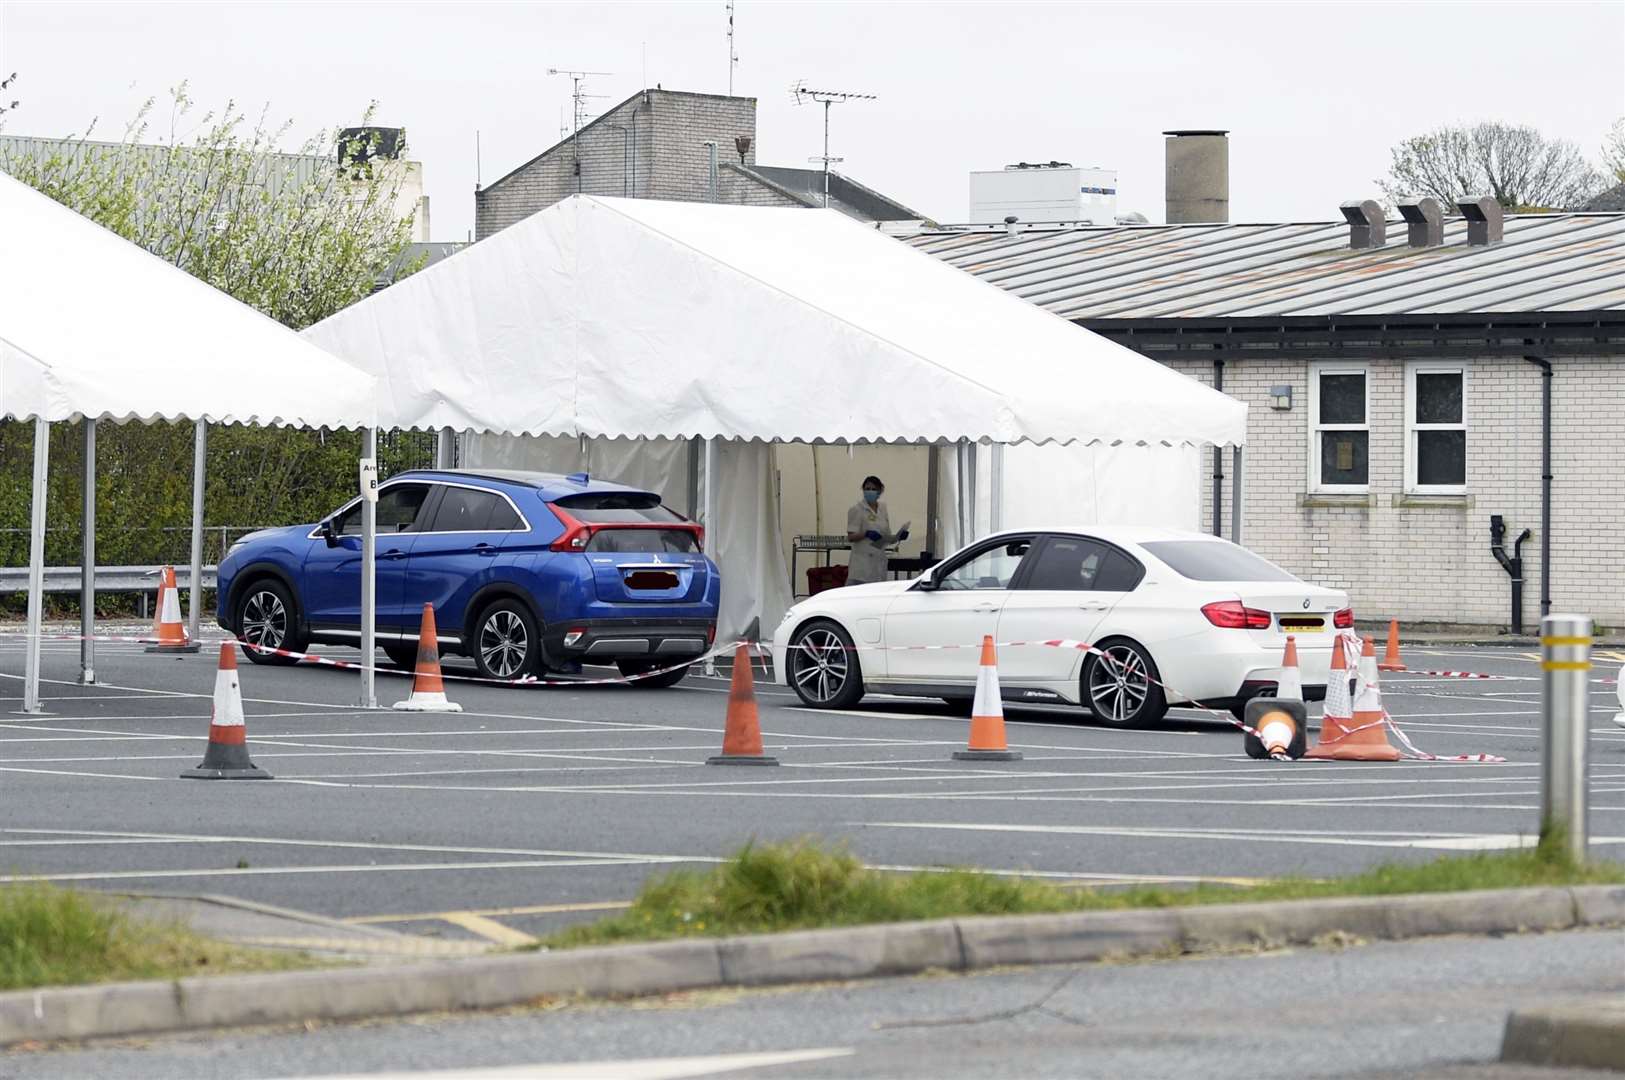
{"x": 802, "y": 885}
{"x": 56, "y": 937}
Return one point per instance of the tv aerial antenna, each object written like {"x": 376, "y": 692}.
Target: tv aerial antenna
{"x": 803, "y": 94}
{"x": 733, "y": 54}
{"x": 578, "y": 93}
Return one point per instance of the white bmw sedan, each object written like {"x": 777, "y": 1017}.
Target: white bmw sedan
{"x": 1177, "y": 617}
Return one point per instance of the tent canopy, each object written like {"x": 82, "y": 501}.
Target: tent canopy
{"x": 636, "y": 318}
{"x": 93, "y": 326}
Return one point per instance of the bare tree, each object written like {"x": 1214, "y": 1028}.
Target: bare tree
{"x": 6, "y": 84}
{"x": 1613, "y": 150}
{"x": 1518, "y": 165}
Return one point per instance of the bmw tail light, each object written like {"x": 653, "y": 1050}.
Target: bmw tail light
{"x": 1233, "y": 615}
{"x": 1344, "y": 620}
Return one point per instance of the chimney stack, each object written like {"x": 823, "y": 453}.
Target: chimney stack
{"x": 1424, "y": 221}
{"x": 1010, "y": 225}
{"x": 1483, "y": 216}
{"x": 1197, "y": 179}
{"x": 1368, "y": 225}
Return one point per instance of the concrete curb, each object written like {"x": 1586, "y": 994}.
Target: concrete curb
{"x": 1588, "y": 1035}
{"x": 84, "y": 1012}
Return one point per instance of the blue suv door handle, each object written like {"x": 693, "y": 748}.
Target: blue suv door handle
{"x": 393, "y": 553}
{"x": 484, "y": 549}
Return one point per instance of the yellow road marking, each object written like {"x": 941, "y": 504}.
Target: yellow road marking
{"x": 538, "y": 909}
{"x": 1614, "y": 655}
{"x": 489, "y": 929}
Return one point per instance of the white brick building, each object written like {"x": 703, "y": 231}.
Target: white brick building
{"x": 1395, "y": 391}
{"x": 653, "y": 146}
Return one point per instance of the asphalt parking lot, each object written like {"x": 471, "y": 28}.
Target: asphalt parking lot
{"x": 538, "y": 805}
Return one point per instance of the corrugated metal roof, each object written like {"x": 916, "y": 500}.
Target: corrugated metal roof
{"x": 1546, "y": 262}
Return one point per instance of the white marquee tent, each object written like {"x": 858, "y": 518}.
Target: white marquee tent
{"x": 92, "y": 327}
{"x": 598, "y": 320}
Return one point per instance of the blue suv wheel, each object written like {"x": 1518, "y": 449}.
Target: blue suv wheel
{"x": 526, "y": 572}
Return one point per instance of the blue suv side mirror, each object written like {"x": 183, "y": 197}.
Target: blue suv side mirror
{"x": 326, "y": 529}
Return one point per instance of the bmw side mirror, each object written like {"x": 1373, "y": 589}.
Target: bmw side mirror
{"x": 927, "y": 583}
{"x": 326, "y": 530}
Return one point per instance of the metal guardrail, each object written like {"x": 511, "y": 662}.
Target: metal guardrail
{"x": 107, "y": 578}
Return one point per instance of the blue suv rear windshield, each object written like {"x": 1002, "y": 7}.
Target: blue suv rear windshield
{"x": 619, "y": 508}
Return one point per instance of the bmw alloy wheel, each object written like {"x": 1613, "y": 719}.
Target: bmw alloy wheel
{"x": 504, "y": 643}
{"x": 265, "y": 620}
{"x": 1119, "y": 684}
{"x": 820, "y": 666}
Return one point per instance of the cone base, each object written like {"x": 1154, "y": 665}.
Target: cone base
{"x": 987, "y": 755}
{"x": 741, "y": 759}
{"x": 189, "y": 648}
{"x": 1392, "y": 667}
{"x": 250, "y": 773}
{"x": 1353, "y": 753}
{"x": 1619, "y": 719}
{"x": 425, "y": 703}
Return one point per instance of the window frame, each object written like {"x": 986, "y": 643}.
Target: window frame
{"x": 1317, "y": 368}
{"x": 1413, "y": 486}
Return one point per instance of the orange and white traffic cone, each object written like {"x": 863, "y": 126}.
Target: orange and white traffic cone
{"x": 168, "y": 628}
{"x": 227, "y": 755}
{"x": 1390, "y": 659}
{"x": 1338, "y": 715}
{"x": 1279, "y": 725}
{"x": 987, "y": 714}
{"x": 1361, "y": 737}
{"x": 742, "y": 733}
{"x": 428, "y": 688}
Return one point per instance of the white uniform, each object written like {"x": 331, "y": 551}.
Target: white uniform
{"x": 868, "y": 561}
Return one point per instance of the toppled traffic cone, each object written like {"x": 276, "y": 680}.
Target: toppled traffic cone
{"x": 227, "y": 755}
{"x": 742, "y": 734}
{"x": 1390, "y": 658}
{"x": 167, "y": 625}
{"x": 1278, "y": 727}
{"x": 987, "y": 714}
{"x": 428, "y": 688}
{"x": 1358, "y": 736}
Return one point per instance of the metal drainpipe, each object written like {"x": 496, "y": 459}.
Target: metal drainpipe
{"x": 1218, "y": 460}
{"x": 1545, "y": 483}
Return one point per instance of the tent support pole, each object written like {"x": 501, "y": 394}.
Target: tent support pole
{"x": 87, "y": 565}
{"x": 967, "y": 491}
{"x": 1235, "y": 495}
{"x": 995, "y": 490}
{"x": 36, "y": 566}
{"x": 710, "y": 519}
{"x": 200, "y": 458}
{"x": 933, "y": 497}
{"x": 369, "y": 590}
{"x": 445, "y": 449}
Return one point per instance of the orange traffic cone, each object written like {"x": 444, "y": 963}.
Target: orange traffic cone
{"x": 167, "y": 625}
{"x": 1390, "y": 659}
{"x": 227, "y": 755}
{"x": 1359, "y": 737}
{"x": 742, "y": 734}
{"x": 987, "y": 714}
{"x": 428, "y": 689}
{"x": 1279, "y": 725}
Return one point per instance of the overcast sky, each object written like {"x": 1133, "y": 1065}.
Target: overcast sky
{"x": 1314, "y": 94}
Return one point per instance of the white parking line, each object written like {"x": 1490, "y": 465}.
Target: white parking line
{"x": 1444, "y": 842}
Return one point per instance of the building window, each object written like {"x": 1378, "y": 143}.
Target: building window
{"x": 1340, "y": 437}
{"x": 1435, "y": 429}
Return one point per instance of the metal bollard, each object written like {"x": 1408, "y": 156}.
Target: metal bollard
{"x": 1565, "y": 655}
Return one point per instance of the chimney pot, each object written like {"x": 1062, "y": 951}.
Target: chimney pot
{"x": 1424, "y": 221}
{"x": 1368, "y": 225}
{"x": 1010, "y": 225}
{"x": 1484, "y": 218}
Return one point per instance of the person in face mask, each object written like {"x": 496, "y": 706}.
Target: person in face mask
{"x": 869, "y": 530}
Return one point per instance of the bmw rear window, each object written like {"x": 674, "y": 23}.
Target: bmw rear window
{"x": 619, "y": 508}
{"x": 1215, "y": 560}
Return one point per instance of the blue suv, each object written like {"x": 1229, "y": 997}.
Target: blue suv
{"x": 527, "y": 572}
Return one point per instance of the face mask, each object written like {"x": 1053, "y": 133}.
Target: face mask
{"x": 871, "y": 497}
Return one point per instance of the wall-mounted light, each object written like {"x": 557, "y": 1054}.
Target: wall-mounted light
{"x": 1281, "y": 397}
